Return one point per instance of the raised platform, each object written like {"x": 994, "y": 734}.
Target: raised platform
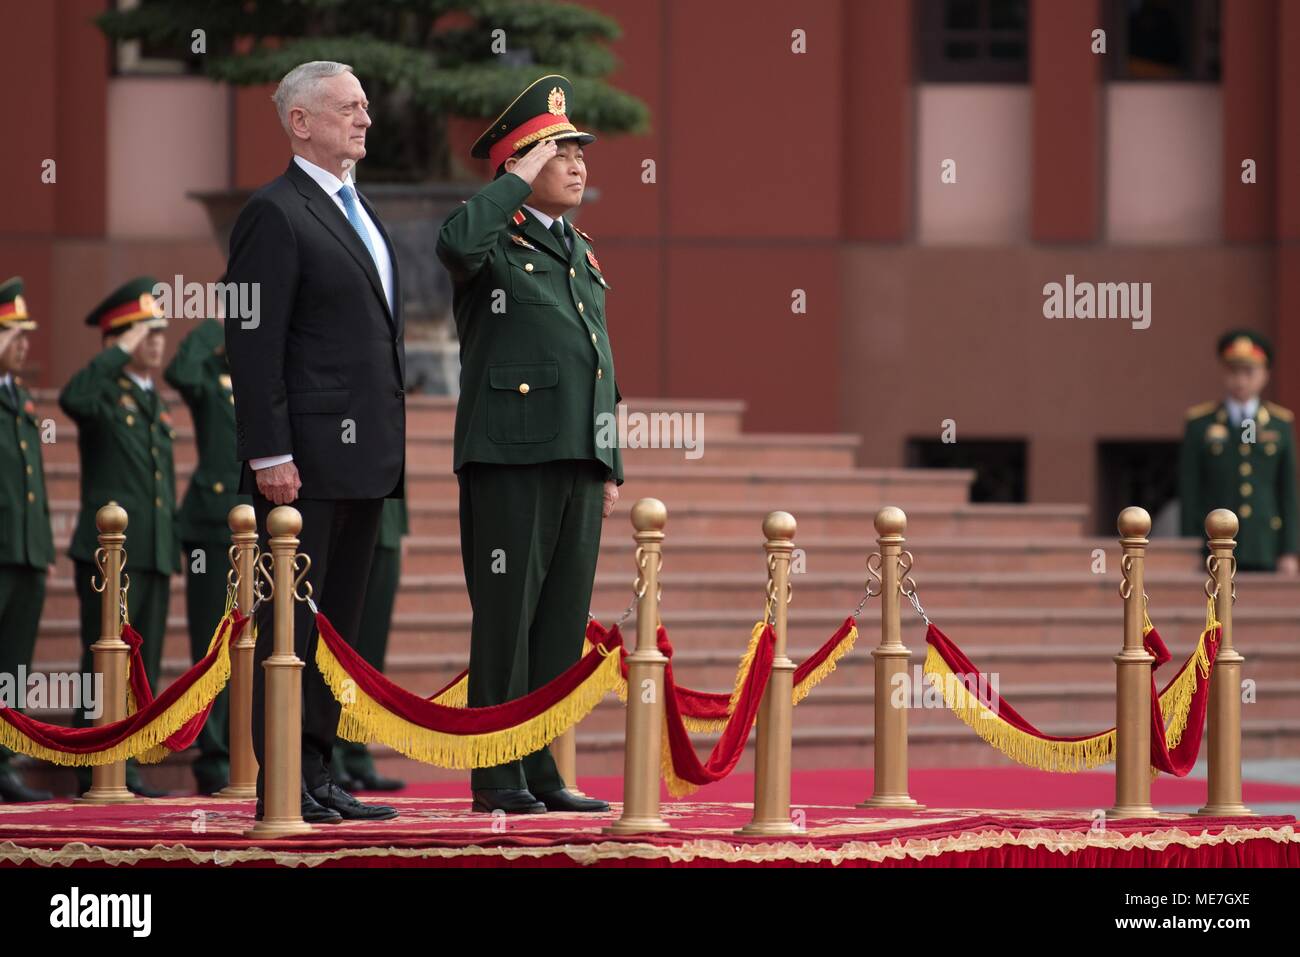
{"x": 436, "y": 829}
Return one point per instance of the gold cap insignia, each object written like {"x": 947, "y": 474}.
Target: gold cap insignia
{"x": 555, "y": 102}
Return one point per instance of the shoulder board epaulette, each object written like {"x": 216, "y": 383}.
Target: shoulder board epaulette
{"x": 1200, "y": 409}
{"x": 1281, "y": 411}
{"x": 584, "y": 235}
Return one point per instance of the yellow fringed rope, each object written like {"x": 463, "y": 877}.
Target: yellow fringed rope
{"x": 364, "y": 720}
{"x": 148, "y": 745}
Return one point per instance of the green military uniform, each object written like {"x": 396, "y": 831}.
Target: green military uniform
{"x": 533, "y": 444}
{"x": 124, "y": 435}
{"x": 200, "y": 374}
{"x": 353, "y": 760}
{"x": 26, "y": 544}
{"x": 1256, "y": 480}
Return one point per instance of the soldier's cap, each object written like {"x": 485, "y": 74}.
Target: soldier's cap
{"x": 538, "y": 113}
{"x": 1245, "y": 346}
{"x": 130, "y": 303}
{"x": 13, "y": 307}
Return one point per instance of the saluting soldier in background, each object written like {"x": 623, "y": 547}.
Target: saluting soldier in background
{"x": 352, "y": 761}
{"x": 124, "y": 435}
{"x": 200, "y": 374}
{"x": 26, "y": 544}
{"x": 537, "y": 381}
{"x": 1223, "y": 466}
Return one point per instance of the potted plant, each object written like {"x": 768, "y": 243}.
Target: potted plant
{"x": 423, "y": 62}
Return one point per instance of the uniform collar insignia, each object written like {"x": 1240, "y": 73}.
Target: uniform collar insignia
{"x": 591, "y": 258}
{"x": 518, "y": 219}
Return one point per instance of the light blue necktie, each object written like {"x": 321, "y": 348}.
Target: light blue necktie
{"x": 349, "y": 197}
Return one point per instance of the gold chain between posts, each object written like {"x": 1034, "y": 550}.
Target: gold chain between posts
{"x": 1212, "y": 583}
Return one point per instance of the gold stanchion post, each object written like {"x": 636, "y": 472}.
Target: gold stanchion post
{"x": 891, "y": 659}
{"x": 1133, "y": 676}
{"x": 243, "y": 554}
{"x": 564, "y": 750}
{"x": 1223, "y": 788}
{"x": 645, "y": 681}
{"x": 111, "y": 653}
{"x": 772, "y": 755}
{"x": 282, "y": 803}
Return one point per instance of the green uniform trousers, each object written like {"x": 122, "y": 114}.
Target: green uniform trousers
{"x": 147, "y": 604}
{"x": 22, "y": 596}
{"x": 205, "y": 603}
{"x": 529, "y": 539}
{"x": 372, "y": 643}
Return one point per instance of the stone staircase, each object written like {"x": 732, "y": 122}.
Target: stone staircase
{"x": 1012, "y": 584}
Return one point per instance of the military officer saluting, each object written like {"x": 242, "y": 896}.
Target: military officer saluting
{"x": 1240, "y": 454}
{"x": 200, "y": 374}
{"x": 124, "y": 435}
{"x": 536, "y": 472}
{"x": 26, "y": 545}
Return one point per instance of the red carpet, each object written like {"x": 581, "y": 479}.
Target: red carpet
{"x": 436, "y": 829}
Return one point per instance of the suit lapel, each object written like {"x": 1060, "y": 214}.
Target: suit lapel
{"x": 392, "y": 258}
{"x": 539, "y": 235}
{"x": 7, "y": 398}
{"x": 323, "y": 207}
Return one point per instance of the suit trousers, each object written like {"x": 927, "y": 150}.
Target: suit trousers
{"x": 22, "y": 596}
{"x": 339, "y": 537}
{"x": 529, "y": 538}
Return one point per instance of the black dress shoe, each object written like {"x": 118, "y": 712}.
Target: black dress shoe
{"x": 140, "y": 789}
{"x": 312, "y": 812}
{"x": 330, "y": 795}
{"x": 13, "y": 791}
{"x": 566, "y": 800}
{"x": 510, "y": 800}
{"x": 373, "y": 781}
{"x": 210, "y": 786}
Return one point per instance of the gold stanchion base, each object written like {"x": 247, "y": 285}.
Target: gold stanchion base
{"x": 283, "y": 827}
{"x": 636, "y": 825}
{"x": 1121, "y": 811}
{"x": 237, "y": 792}
{"x": 769, "y": 829}
{"x": 1226, "y": 810}
{"x": 108, "y": 796}
{"x": 892, "y": 800}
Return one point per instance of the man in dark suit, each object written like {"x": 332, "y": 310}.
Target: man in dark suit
{"x": 318, "y": 375}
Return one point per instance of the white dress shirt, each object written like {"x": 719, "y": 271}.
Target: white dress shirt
{"x": 383, "y": 261}
{"x": 1238, "y": 412}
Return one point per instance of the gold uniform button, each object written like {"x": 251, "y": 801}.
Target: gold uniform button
{"x": 1275, "y": 522}
{"x": 218, "y": 487}
{"x": 157, "y": 475}
{"x": 1245, "y": 468}
{"x": 22, "y": 443}
{"x": 523, "y": 388}
{"x": 1244, "y": 448}
{"x": 1270, "y": 449}
{"x": 29, "y": 470}
{"x": 528, "y": 267}
{"x": 581, "y": 307}
{"x": 158, "y": 502}
{"x": 1246, "y": 510}
{"x": 1246, "y": 489}
{"x": 130, "y": 419}
{"x": 593, "y": 338}
{"x": 31, "y": 496}
{"x": 572, "y": 273}
{"x": 600, "y": 373}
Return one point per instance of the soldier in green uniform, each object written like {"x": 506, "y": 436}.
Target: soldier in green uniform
{"x": 537, "y": 464}
{"x": 352, "y": 761}
{"x": 26, "y": 545}
{"x": 124, "y": 435}
{"x": 1240, "y": 454}
{"x": 200, "y": 374}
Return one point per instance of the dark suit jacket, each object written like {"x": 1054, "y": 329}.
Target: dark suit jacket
{"x": 322, "y": 373}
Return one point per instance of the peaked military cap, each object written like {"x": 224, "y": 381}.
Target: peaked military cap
{"x": 13, "y": 308}
{"x": 540, "y": 112}
{"x": 1245, "y": 345}
{"x": 130, "y": 303}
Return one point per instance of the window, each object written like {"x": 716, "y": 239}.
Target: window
{"x": 148, "y": 57}
{"x": 1143, "y": 473}
{"x": 1164, "y": 40}
{"x": 974, "y": 41}
{"x": 999, "y": 465}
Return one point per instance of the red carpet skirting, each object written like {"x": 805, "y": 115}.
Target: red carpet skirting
{"x": 441, "y": 832}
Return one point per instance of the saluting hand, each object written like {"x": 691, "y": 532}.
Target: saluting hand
{"x": 133, "y": 337}
{"x": 533, "y": 161}
{"x": 611, "y": 497}
{"x": 279, "y": 483}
